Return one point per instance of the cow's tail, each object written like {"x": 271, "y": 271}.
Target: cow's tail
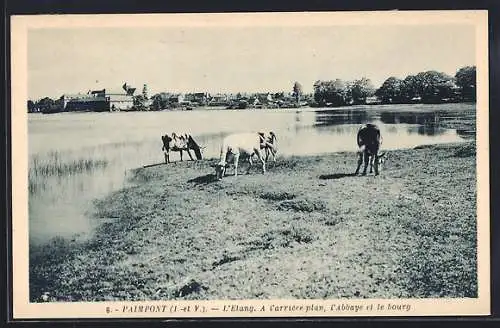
{"x": 197, "y": 152}
{"x": 193, "y": 145}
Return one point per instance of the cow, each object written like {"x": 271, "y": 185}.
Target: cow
{"x": 180, "y": 143}
{"x": 238, "y": 144}
{"x": 271, "y": 146}
{"x": 369, "y": 140}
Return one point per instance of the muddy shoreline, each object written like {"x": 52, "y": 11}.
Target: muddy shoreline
{"x": 307, "y": 229}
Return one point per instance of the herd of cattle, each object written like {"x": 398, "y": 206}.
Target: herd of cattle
{"x": 264, "y": 146}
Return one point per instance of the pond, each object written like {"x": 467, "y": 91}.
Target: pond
{"x": 75, "y": 158}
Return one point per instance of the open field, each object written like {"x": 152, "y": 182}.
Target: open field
{"x": 306, "y": 229}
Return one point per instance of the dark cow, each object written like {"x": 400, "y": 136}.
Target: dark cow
{"x": 369, "y": 141}
{"x": 180, "y": 143}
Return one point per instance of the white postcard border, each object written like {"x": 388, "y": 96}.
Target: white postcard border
{"x": 23, "y": 309}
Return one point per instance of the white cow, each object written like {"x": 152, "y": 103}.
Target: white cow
{"x": 237, "y": 144}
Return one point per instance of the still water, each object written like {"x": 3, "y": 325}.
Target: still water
{"x": 60, "y": 202}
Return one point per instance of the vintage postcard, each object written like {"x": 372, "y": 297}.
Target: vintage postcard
{"x": 250, "y": 165}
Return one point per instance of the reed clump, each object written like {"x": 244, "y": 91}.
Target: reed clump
{"x": 57, "y": 165}
{"x": 54, "y": 164}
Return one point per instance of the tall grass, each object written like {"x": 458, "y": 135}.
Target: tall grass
{"x": 54, "y": 165}
{"x": 57, "y": 164}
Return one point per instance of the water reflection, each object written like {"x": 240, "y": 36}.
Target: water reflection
{"x": 422, "y": 122}
{"x": 410, "y": 117}
{"x": 334, "y": 117}
{"x": 428, "y": 130}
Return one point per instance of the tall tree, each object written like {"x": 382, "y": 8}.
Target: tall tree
{"x": 140, "y": 102}
{"x": 46, "y": 104}
{"x": 331, "y": 93}
{"x": 409, "y": 88}
{"x": 361, "y": 89}
{"x": 434, "y": 86}
{"x": 31, "y": 106}
{"x": 145, "y": 92}
{"x": 466, "y": 81}
{"x": 159, "y": 101}
{"x": 297, "y": 91}
{"x": 390, "y": 91}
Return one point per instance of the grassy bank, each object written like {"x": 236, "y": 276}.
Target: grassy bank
{"x": 306, "y": 229}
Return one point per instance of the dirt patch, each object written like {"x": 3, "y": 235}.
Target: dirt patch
{"x": 466, "y": 150}
{"x": 284, "y": 238}
{"x": 277, "y": 196}
{"x": 190, "y": 287}
{"x": 301, "y": 205}
{"x": 225, "y": 259}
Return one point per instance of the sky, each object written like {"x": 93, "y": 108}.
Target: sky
{"x": 237, "y": 59}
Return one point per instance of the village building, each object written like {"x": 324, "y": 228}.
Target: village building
{"x": 176, "y": 98}
{"x": 118, "y": 100}
{"x": 218, "y": 99}
{"x": 373, "y": 100}
{"x": 199, "y": 98}
{"x": 99, "y": 100}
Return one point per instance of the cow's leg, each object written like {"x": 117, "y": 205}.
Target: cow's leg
{"x": 371, "y": 163}
{"x": 260, "y": 156}
{"x": 189, "y": 153}
{"x": 366, "y": 160}
{"x": 180, "y": 151}
{"x": 376, "y": 163}
{"x": 165, "y": 154}
{"x": 236, "y": 159}
{"x": 360, "y": 161}
{"x": 271, "y": 152}
{"x": 250, "y": 162}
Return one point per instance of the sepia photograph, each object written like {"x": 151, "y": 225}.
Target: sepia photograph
{"x": 271, "y": 164}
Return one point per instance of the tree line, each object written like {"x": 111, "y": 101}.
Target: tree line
{"x": 424, "y": 87}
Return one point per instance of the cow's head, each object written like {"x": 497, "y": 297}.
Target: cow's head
{"x": 220, "y": 170}
{"x": 272, "y": 137}
{"x": 166, "y": 142}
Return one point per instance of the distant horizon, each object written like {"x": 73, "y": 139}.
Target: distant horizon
{"x": 286, "y": 91}
{"x": 218, "y": 59}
